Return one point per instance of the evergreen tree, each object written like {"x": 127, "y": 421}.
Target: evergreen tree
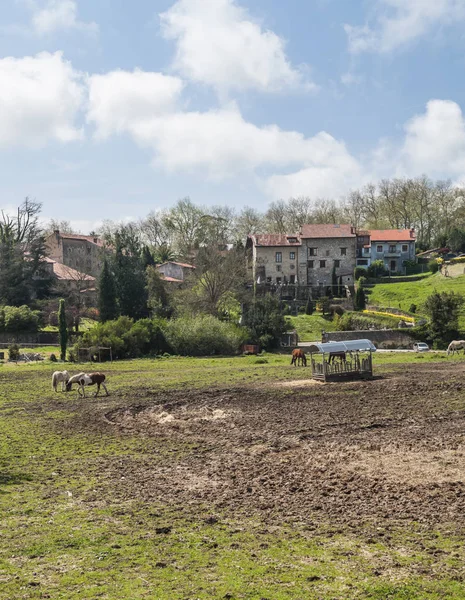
{"x": 63, "y": 328}
{"x": 340, "y": 292}
{"x": 443, "y": 310}
{"x": 147, "y": 258}
{"x": 334, "y": 290}
{"x": 157, "y": 296}
{"x": 107, "y": 304}
{"x": 359, "y": 300}
{"x": 130, "y": 277}
{"x": 309, "y": 307}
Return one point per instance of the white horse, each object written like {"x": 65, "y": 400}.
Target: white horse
{"x": 83, "y": 379}
{"x": 60, "y": 377}
{"x": 455, "y": 346}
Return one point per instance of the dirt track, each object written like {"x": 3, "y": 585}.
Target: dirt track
{"x": 392, "y": 449}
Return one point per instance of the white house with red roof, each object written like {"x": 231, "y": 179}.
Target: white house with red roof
{"x": 393, "y": 246}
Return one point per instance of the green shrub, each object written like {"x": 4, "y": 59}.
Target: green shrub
{"x": 126, "y": 338}
{"x": 377, "y": 269}
{"x": 265, "y": 322}
{"x": 413, "y": 308}
{"x": 53, "y": 358}
{"x": 203, "y": 335}
{"x": 13, "y": 352}
{"x": 19, "y": 318}
{"x": 433, "y": 266}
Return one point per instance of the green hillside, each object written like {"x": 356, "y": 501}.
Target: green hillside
{"x": 403, "y": 295}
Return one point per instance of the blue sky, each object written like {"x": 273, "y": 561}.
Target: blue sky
{"x": 110, "y": 109}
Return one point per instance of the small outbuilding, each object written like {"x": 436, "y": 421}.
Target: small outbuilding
{"x": 340, "y": 361}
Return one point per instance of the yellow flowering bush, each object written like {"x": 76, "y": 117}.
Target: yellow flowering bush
{"x": 385, "y": 314}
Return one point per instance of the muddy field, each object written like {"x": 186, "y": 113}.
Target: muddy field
{"x": 392, "y": 448}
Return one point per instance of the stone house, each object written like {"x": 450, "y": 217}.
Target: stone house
{"x": 393, "y": 246}
{"x": 81, "y": 252}
{"x": 325, "y": 247}
{"x": 306, "y": 258}
{"x": 70, "y": 282}
{"x": 174, "y": 272}
{"x": 273, "y": 258}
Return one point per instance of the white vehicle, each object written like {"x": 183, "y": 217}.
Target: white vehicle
{"x": 421, "y": 347}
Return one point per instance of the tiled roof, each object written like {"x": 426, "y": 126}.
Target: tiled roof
{"x": 172, "y": 262}
{"x": 65, "y": 273}
{"x": 276, "y": 239}
{"x": 392, "y": 235}
{"x": 327, "y": 231}
{"x": 93, "y": 239}
{"x": 170, "y": 279}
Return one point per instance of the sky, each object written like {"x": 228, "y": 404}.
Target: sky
{"x": 110, "y": 109}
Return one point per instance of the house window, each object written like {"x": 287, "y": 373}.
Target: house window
{"x": 310, "y": 264}
{"x": 278, "y": 280}
{"x": 292, "y": 267}
{"x": 337, "y": 264}
{"x": 392, "y": 249}
{"x": 268, "y": 280}
{"x": 291, "y": 255}
{"x": 278, "y": 268}
{"x": 313, "y": 251}
{"x": 322, "y": 264}
{"x": 279, "y": 257}
{"x": 362, "y": 262}
{"x": 292, "y": 279}
{"x": 343, "y": 251}
{"x": 405, "y": 248}
{"x": 292, "y": 240}
{"x": 379, "y": 248}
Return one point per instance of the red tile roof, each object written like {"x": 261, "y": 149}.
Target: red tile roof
{"x": 170, "y": 279}
{"x": 172, "y": 262}
{"x": 92, "y": 239}
{"x": 327, "y": 231}
{"x": 276, "y": 239}
{"x": 65, "y": 273}
{"x": 392, "y": 235}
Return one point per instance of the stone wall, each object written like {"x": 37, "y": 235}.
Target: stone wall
{"x": 385, "y": 338}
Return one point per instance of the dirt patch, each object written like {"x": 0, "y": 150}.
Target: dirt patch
{"x": 298, "y": 383}
{"x": 388, "y": 449}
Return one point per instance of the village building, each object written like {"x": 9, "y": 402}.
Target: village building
{"x": 70, "y": 282}
{"x": 306, "y": 258}
{"x": 174, "y": 272}
{"x": 81, "y": 252}
{"x": 395, "y": 247}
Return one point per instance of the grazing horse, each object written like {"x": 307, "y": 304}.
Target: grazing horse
{"x": 340, "y": 355}
{"x": 455, "y": 346}
{"x": 83, "y": 379}
{"x": 298, "y": 355}
{"x": 60, "y": 377}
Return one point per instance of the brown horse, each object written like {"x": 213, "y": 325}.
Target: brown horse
{"x": 82, "y": 379}
{"x": 298, "y": 355}
{"x": 333, "y": 355}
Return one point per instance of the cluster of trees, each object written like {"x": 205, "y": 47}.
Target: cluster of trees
{"x": 22, "y": 254}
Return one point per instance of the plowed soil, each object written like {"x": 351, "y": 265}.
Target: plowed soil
{"x": 388, "y": 449}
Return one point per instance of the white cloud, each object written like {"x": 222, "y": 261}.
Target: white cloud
{"x": 120, "y": 99}
{"x": 435, "y": 141}
{"x": 400, "y": 22}
{"x": 218, "y": 44}
{"x": 40, "y": 98}
{"x": 58, "y": 15}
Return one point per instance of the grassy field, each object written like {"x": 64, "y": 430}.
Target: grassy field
{"x": 66, "y": 534}
{"x": 309, "y": 327}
